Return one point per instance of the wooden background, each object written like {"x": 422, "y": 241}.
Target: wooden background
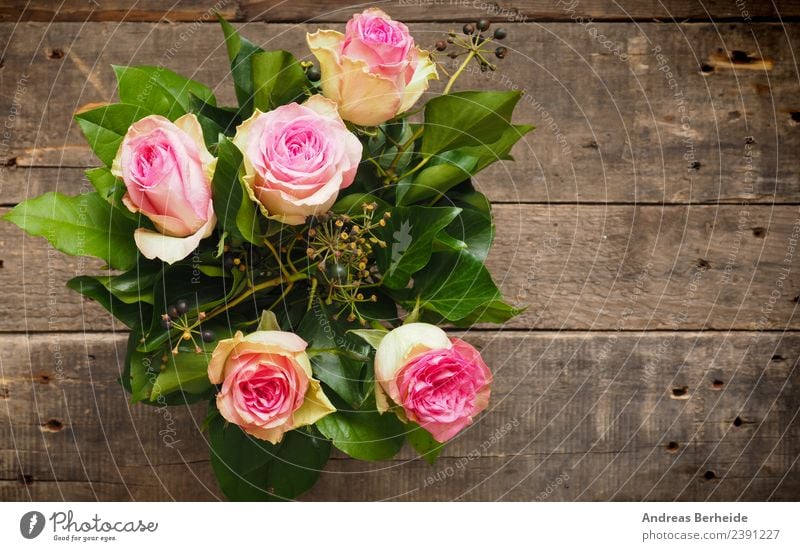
{"x": 650, "y": 223}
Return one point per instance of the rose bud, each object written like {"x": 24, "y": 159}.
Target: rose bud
{"x": 167, "y": 172}
{"x": 373, "y": 71}
{"x": 267, "y": 388}
{"x": 439, "y": 382}
{"x": 297, "y": 158}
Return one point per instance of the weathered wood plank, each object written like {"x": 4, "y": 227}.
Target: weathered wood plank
{"x": 611, "y": 128}
{"x": 576, "y": 267}
{"x": 407, "y": 10}
{"x": 590, "y": 415}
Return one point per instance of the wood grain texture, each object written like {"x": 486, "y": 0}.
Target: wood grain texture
{"x": 609, "y": 130}
{"x": 407, "y": 10}
{"x": 592, "y": 409}
{"x": 575, "y": 267}
{"x": 658, "y": 255}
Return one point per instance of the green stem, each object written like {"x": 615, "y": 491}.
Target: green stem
{"x": 458, "y": 72}
{"x": 403, "y": 149}
{"x": 274, "y": 282}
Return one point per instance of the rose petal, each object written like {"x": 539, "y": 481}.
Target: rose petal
{"x": 171, "y": 249}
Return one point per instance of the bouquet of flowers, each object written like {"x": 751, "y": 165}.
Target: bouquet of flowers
{"x": 290, "y": 259}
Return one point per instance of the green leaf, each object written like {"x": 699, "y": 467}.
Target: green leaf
{"x": 130, "y": 350}
{"x": 103, "y": 181}
{"x": 240, "y": 52}
{"x": 160, "y": 90}
{"x": 352, "y": 203}
{"x": 384, "y": 145}
{"x": 496, "y": 311}
{"x": 249, "y": 469}
{"x": 466, "y": 119}
{"x": 366, "y": 435}
{"x": 135, "y": 285}
{"x": 104, "y": 127}
{"x": 159, "y": 378}
{"x": 235, "y": 210}
{"x": 422, "y": 441}
{"x": 409, "y": 235}
{"x": 226, "y": 119}
{"x": 472, "y": 228}
{"x": 201, "y": 291}
{"x": 130, "y": 314}
{"x": 454, "y": 285}
{"x": 330, "y": 344}
{"x": 83, "y": 225}
{"x": 445, "y": 171}
{"x": 186, "y": 372}
{"x": 278, "y": 79}
{"x": 143, "y": 368}
{"x": 110, "y": 188}
{"x": 487, "y": 153}
{"x": 373, "y": 337}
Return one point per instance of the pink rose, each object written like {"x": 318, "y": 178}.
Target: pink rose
{"x": 167, "y": 172}
{"x": 297, "y": 158}
{"x": 267, "y": 387}
{"x": 373, "y": 71}
{"x": 440, "y": 383}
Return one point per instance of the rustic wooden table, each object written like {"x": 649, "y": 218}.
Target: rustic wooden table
{"x": 651, "y": 224}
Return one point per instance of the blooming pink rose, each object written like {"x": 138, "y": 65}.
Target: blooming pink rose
{"x": 440, "y": 383}
{"x": 373, "y": 71}
{"x": 167, "y": 172}
{"x": 297, "y": 158}
{"x": 267, "y": 387}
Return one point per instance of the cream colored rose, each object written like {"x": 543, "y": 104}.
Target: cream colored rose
{"x": 373, "y": 71}
{"x": 267, "y": 388}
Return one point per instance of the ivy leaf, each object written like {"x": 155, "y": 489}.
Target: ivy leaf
{"x": 454, "y": 285}
{"x": 469, "y": 118}
{"x": 472, "y": 230}
{"x": 82, "y": 225}
{"x": 366, "y": 435}
{"x": 409, "y": 236}
{"x": 104, "y": 127}
{"x": 278, "y": 79}
{"x": 160, "y": 90}
{"x": 249, "y": 469}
